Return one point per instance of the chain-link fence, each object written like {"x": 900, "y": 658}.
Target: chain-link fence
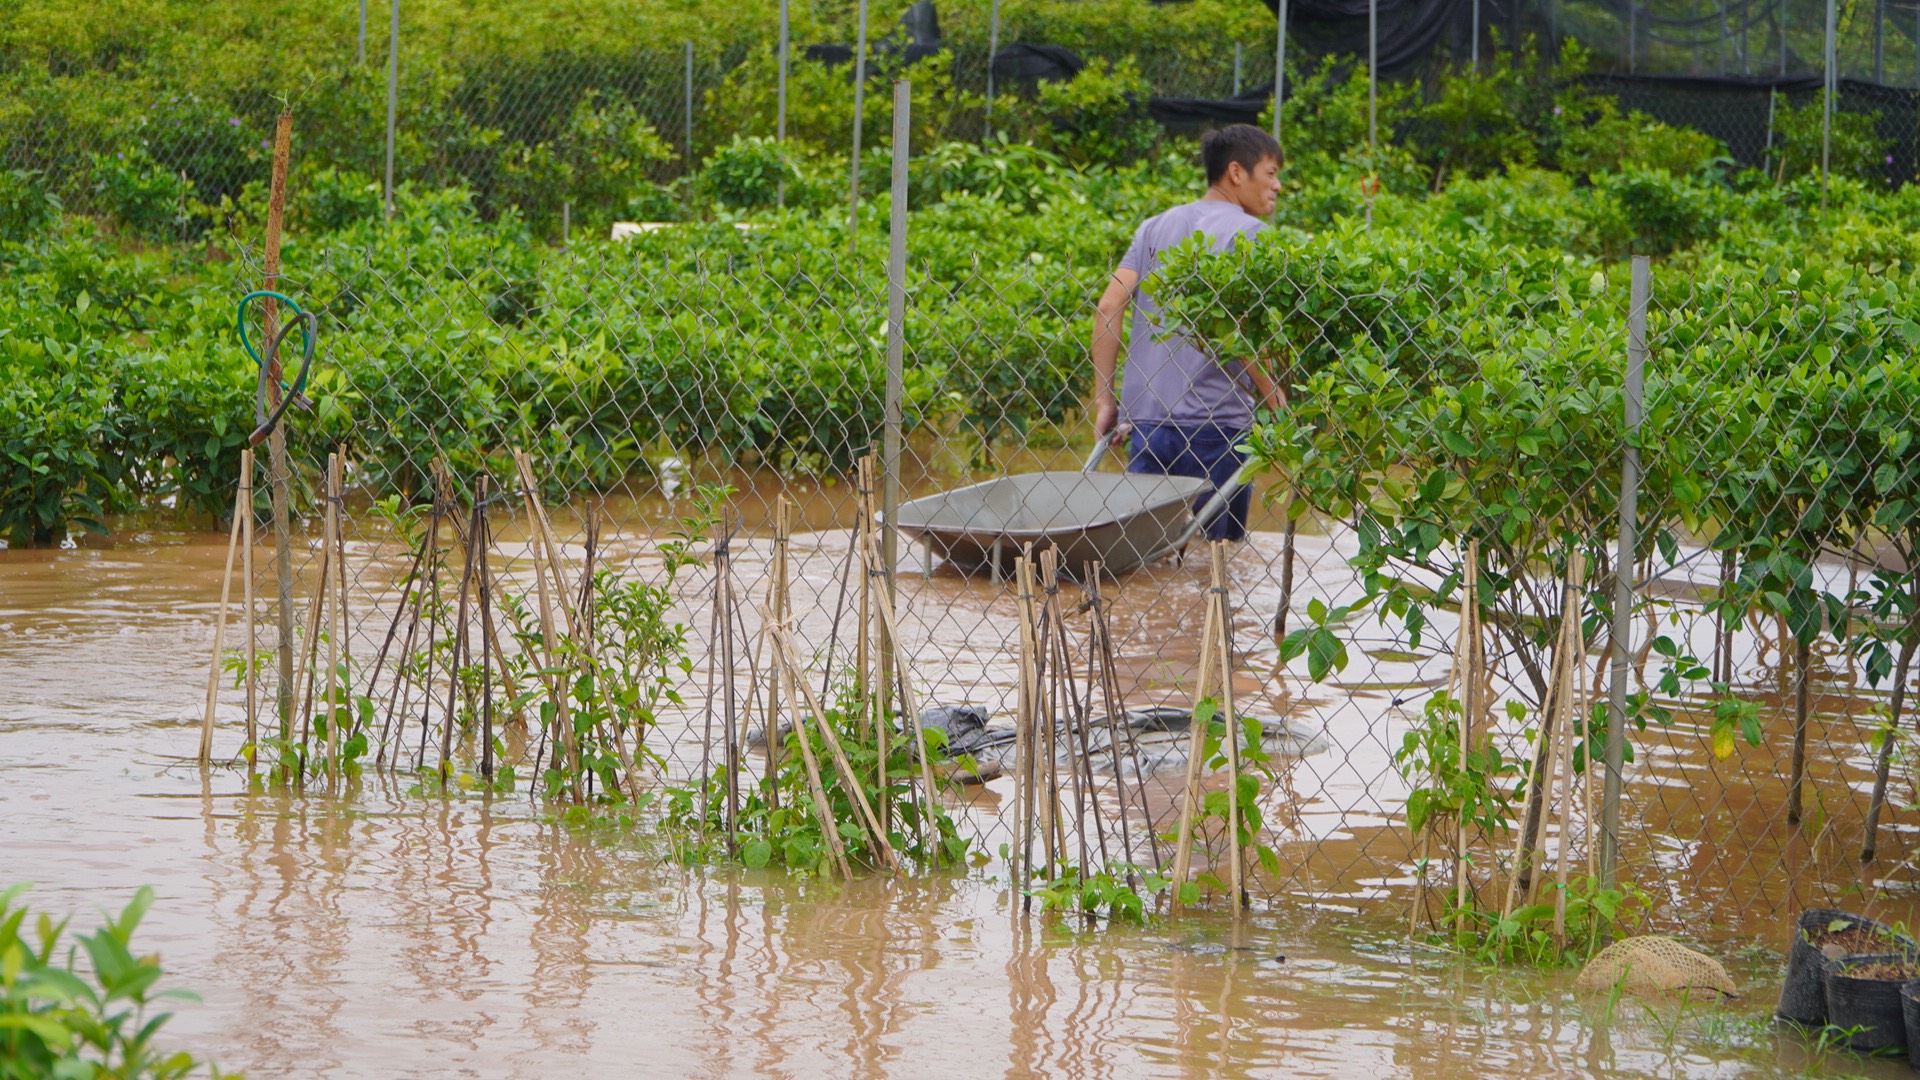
{"x": 1455, "y": 428}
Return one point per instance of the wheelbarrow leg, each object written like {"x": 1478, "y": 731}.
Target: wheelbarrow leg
{"x": 999, "y": 545}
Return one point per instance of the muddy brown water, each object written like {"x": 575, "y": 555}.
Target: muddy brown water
{"x": 383, "y": 933}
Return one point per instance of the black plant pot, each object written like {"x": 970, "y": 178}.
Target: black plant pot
{"x": 1871, "y": 1007}
{"x": 1910, "y": 1009}
{"x": 1803, "y": 997}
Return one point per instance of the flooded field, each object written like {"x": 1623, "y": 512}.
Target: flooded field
{"x": 379, "y": 932}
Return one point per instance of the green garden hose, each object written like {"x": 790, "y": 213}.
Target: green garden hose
{"x": 310, "y": 332}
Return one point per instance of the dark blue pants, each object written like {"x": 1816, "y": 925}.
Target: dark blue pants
{"x": 1203, "y": 451}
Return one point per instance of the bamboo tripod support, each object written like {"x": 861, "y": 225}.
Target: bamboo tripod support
{"x": 1556, "y": 792}
{"x": 564, "y": 742}
{"x": 242, "y": 510}
{"x": 1216, "y": 660}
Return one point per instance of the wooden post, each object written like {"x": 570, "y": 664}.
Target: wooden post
{"x": 279, "y": 470}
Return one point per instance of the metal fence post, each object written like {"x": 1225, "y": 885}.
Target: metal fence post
{"x": 1826, "y": 112}
{"x": 360, "y": 57}
{"x": 993, "y": 47}
{"x": 1279, "y": 67}
{"x": 689, "y": 97}
{"x": 1236, "y": 68}
{"x": 1624, "y": 562}
{"x": 859, "y": 100}
{"x": 890, "y": 435}
{"x": 393, "y": 93}
{"x": 1474, "y": 49}
{"x": 1373, "y": 103}
{"x": 780, "y": 111}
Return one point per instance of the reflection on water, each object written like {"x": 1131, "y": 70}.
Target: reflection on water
{"x": 387, "y": 934}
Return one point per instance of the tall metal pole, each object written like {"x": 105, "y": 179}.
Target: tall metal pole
{"x": 859, "y": 100}
{"x": 1624, "y": 562}
{"x": 993, "y": 49}
{"x": 896, "y": 362}
{"x": 780, "y": 111}
{"x": 360, "y": 57}
{"x": 1633, "y": 36}
{"x": 393, "y": 94}
{"x": 1828, "y": 63}
{"x": 689, "y": 102}
{"x": 1373, "y": 104}
{"x": 1783, "y": 37}
{"x": 1880, "y": 41}
{"x": 1236, "y": 68}
{"x": 1279, "y": 67}
{"x": 1475, "y": 47}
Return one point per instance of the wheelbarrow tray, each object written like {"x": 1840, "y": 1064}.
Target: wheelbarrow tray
{"x": 1120, "y": 519}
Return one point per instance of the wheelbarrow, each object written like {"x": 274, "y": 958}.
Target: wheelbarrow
{"x": 1121, "y": 520}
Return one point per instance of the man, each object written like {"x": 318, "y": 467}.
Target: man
{"x": 1189, "y": 411}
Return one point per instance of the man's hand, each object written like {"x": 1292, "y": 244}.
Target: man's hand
{"x": 1106, "y": 422}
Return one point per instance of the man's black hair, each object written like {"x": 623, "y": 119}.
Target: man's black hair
{"x": 1243, "y": 143}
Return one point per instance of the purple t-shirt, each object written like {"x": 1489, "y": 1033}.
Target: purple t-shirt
{"x": 1167, "y": 380}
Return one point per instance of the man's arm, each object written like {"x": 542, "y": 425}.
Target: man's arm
{"x": 1107, "y": 322}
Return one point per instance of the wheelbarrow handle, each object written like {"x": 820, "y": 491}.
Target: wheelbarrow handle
{"x": 1103, "y": 443}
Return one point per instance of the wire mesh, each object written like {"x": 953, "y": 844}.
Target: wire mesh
{"x": 635, "y": 374}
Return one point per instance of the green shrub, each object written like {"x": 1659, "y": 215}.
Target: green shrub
{"x": 748, "y": 173}
{"x": 56, "y": 1021}
{"x": 1098, "y": 117}
{"x": 145, "y": 196}
{"x": 26, "y": 206}
{"x": 1856, "y": 149}
{"x": 56, "y": 430}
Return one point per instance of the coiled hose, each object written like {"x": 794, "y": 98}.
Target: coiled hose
{"x": 267, "y": 419}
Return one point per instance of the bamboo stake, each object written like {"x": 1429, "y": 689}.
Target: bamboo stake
{"x": 909, "y": 705}
{"x": 246, "y": 574}
{"x": 1575, "y": 646}
{"x": 1237, "y": 853}
{"x": 1523, "y": 886}
{"x": 1100, "y": 650}
{"x": 220, "y": 625}
{"x": 544, "y": 534}
{"x": 556, "y": 684}
{"x": 1026, "y": 750}
{"x": 1062, "y": 685}
{"x": 723, "y": 600}
{"x": 489, "y": 647}
{"x": 777, "y": 697}
{"x": 1196, "y": 752}
{"x": 1469, "y": 713}
{"x": 822, "y": 809}
{"x": 332, "y": 530}
{"x": 1455, "y": 673}
{"x": 462, "y": 652}
{"x": 863, "y": 643}
{"x": 784, "y": 640}
{"x": 429, "y": 560}
{"x": 345, "y": 642}
{"x": 309, "y": 667}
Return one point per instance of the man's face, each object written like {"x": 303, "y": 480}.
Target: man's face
{"x": 1255, "y": 191}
